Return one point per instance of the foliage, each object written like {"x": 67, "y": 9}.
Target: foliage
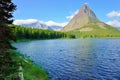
{"x": 6, "y": 11}
{"x": 7, "y": 65}
{"x": 35, "y": 33}
{"x": 30, "y": 70}
{"x": 5, "y": 36}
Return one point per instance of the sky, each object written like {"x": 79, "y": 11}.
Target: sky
{"x": 60, "y": 12}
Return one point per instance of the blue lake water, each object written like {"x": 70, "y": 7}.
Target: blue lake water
{"x": 75, "y": 59}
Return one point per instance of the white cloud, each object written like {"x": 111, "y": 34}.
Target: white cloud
{"x": 114, "y": 23}
{"x": 52, "y": 23}
{"x": 114, "y": 14}
{"x": 27, "y": 21}
{"x": 71, "y": 16}
{"x": 48, "y": 23}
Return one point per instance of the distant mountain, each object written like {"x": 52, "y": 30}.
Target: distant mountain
{"x": 85, "y": 20}
{"x": 41, "y": 25}
{"x": 55, "y": 28}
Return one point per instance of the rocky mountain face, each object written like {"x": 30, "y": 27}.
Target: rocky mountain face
{"x": 85, "y": 16}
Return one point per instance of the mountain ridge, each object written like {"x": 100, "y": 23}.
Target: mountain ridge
{"x": 41, "y": 25}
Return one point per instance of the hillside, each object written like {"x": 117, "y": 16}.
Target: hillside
{"x": 94, "y": 30}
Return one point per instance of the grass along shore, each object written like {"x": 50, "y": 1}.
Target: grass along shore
{"x": 30, "y": 71}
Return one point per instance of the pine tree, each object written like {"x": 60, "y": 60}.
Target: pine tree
{"x": 6, "y": 10}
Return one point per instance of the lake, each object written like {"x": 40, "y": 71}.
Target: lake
{"x": 75, "y": 59}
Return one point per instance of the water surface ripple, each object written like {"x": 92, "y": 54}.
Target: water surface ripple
{"x": 75, "y": 59}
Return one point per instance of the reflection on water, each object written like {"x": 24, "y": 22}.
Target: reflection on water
{"x": 86, "y": 59}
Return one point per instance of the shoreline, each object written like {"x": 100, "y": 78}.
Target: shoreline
{"x": 30, "y": 69}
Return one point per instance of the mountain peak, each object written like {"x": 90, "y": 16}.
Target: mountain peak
{"x": 84, "y": 16}
{"x": 87, "y": 10}
{"x": 85, "y": 6}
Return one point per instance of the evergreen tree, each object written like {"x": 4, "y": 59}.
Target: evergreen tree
{"x": 6, "y": 11}
{"x": 6, "y": 64}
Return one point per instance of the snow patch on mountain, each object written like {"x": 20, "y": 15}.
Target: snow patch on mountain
{"x": 50, "y": 25}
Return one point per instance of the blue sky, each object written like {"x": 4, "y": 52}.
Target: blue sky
{"x": 58, "y": 10}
